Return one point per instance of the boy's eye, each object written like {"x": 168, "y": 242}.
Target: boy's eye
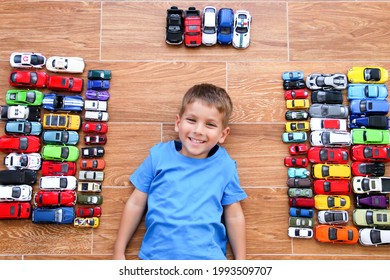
{"x": 212, "y": 124}
{"x": 191, "y": 120}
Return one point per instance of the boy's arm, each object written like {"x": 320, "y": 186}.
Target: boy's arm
{"x": 235, "y": 226}
{"x": 131, "y": 217}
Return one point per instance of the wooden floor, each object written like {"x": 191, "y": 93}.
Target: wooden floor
{"x": 149, "y": 79}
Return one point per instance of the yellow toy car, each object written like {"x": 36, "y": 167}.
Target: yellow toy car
{"x": 90, "y": 222}
{"x": 331, "y": 171}
{"x": 61, "y": 121}
{"x": 368, "y": 75}
{"x": 297, "y": 104}
{"x": 297, "y": 126}
{"x": 332, "y": 202}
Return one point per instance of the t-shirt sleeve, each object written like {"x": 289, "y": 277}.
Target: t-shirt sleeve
{"x": 143, "y": 176}
{"x": 233, "y": 191}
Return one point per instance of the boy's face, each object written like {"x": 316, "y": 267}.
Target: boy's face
{"x": 200, "y": 128}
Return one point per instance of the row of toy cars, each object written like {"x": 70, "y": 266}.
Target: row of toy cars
{"x": 209, "y": 27}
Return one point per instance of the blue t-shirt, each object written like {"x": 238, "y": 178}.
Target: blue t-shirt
{"x": 185, "y": 203}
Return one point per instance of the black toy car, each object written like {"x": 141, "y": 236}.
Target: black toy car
{"x": 174, "y": 26}
{"x": 327, "y": 96}
{"x": 90, "y": 152}
{"x": 287, "y": 85}
{"x": 18, "y": 177}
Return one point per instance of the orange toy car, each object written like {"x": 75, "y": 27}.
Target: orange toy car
{"x": 92, "y": 164}
{"x": 336, "y": 234}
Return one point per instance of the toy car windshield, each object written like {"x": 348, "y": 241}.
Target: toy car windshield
{"x": 372, "y": 74}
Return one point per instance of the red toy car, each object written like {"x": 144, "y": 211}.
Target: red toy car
{"x": 374, "y": 169}
{"x": 95, "y": 139}
{"x": 296, "y": 94}
{"x": 301, "y": 202}
{"x": 92, "y": 164}
{"x": 298, "y": 149}
{"x": 64, "y": 83}
{"x": 32, "y": 79}
{"x": 296, "y": 162}
{"x": 20, "y": 144}
{"x": 371, "y": 153}
{"x": 57, "y": 168}
{"x": 55, "y": 198}
{"x": 15, "y": 210}
{"x": 95, "y": 127}
{"x": 328, "y": 155}
{"x": 86, "y": 211}
{"x": 330, "y": 187}
{"x": 192, "y": 28}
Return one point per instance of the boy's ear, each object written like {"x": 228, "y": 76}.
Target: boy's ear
{"x": 224, "y": 134}
{"x": 177, "y": 122}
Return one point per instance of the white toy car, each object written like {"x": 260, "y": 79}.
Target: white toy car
{"x": 27, "y": 60}
{"x": 57, "y": 183}
{"x": 297, "y": 232}
{"x": 330, "y": 138}
{"x": 330, "y": 81}
{"x": 15, "y": 193}
{"x": 95, "y": 105}
{"x": 31, "y": 161}
{"x": 96, "y": 116}
{"x": 328, "y": 123}
{"x": 65, "y": 64}
{"x": 89, "y": 187}
{"x": 242, "y": 28}
{"x": 91, "y": 175}
{"x": 332, "y": 217}
{"x": 209, "y": 26}
{"x": 374, "y": 237}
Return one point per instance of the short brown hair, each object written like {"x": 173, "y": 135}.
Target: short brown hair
{"x": 211, "y": 95}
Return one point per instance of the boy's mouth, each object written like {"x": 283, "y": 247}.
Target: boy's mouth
{"x": 196, "y": 140}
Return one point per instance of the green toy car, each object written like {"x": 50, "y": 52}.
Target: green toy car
{"x": 300, "y": 192}
{"x": 24, "y": 97}
{"x": 60, "y": 153}
{"x": 99, "y": 74}
{"x": 301, "y": 222}
{"x": 370, "y": 136}
{"x": 89, "y": 199}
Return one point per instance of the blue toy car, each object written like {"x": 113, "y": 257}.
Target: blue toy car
{"x": 375, "y": 121}
{"x": 66, "y": 137}
{"x": 97, "y": 95}
{"x": 292, "y": 76}
{"x": 301, "y": 212}
{"x": 367, "y": 91}
{"x": 298, "y": 172}
{"x": 57, "y": 102}
{"x": 369, "y": 107}
{"x": 59, "y": 215}
{"x": 225, "y": 26}
{"x": 23, "y": 127}
{"x": 294, "y": 137}
{"x": 98, "y": 84}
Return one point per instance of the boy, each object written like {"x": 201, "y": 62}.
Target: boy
{"x": 189, "y": 186}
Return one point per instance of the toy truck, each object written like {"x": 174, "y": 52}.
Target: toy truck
{"x": 371, "y": 184}
{"x": 174, "y": 26}
{"x": 192, "y": 27}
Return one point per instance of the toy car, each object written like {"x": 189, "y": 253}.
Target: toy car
{"x": 370, "y": 136}
{"x": 291, "y": 115}
{"x": 331, "y": 171}
{"x": 15, "y": 210}
{"x": 89, "y": 199}
{"x": 55, "y": 168}
{"x": 30, "y": 161}
{"x": 59, "y": 102}
{"x": 296, "y": 94}
{"x": 328, "y": 155}
{"x": 60, "y": 137}
{"x": 90, "y": 222}
{"x": 95, "y": 127}
{"x": 292, "y": 75}
{"x": 27, "y": 60}
{"x": 327, "y": 81}
{"x": 370, "y": 153}
{"x": 57, "y": 183}
{"x": 300, "y": 192}
{"x": 379, "y": 201}
{"x": 18, "y": 177}
{"x": 295, "y": 162}
{"x": 225, "y": 26}
{"x": 209, "y": 26}
{"x": 301, "y": 212}
{"x": 301, "y": 202}
{"x": 36, "y": 79}
{"x": 371, "y": 217}
{"x": 174, "y": 29}
{"x": 369, "y": 107}
{"x": 96, "y": 116}
{"x": 86, "y": 211}
{"x": 15, "y": 193}
{"x": 97, "y": 95}
{"x": 59, "y": 64}
{"x": 24, "y": 97}
{"x": 91, "y": 175}
{"x": 367, "y": 91}
{"x": 374, "y": 237}
{"x": 300, "y": 222}
{"x": 297, "y": 232}
{"x": 330, "y": 138}
{"x": 21, "y": 112}
{"x": 88, "y": 152}
{"x": 330, "y": 187}
{"x": 61, "y": 121}
{"x": 60, "y": 152}
{"x": 54, "y": 198}
{"x": 242, "y": 29}
{"x": 332, "y": 217}
{"x": 332, "y": 202}
{"x": 95, "y": 74}
{"x": 375, "y": 121}
{"x": 58, "y": 215}
{"x": 89, "y": 187}
{"x": 367, "y": 74}
{"x": 95, "y": 105}
{"x": 368, "y": 185}
{"x": 299, "y": 183}
{"x": 335, "y": 111}
{"x": 19, "y": 144}
{"x": 336, "y": 234}
{"x": 98, "y": 84}
{"x": 65, "y": 83}
{"x": 375, "y": 169}
{"x": 325, "y": 124}
{"x": 298, "y": 149}
{"x": 298, "y": 172}
{"x": 294, "y": 137}
{"x": 23, "y": 127}
{"x": 192, "y": 27}
{"x": 290, "y": 85}
{"x": 297, "y": 126}
{"x": 327, "y": 96}
{"x": 95, "y": 139}
{"x": 92, "y": 164}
